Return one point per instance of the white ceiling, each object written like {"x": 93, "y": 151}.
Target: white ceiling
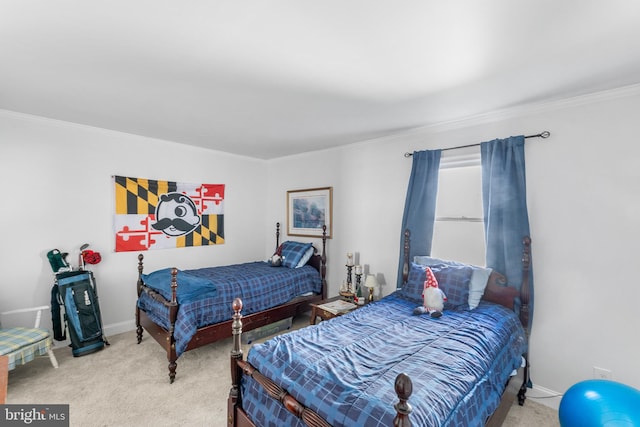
{"x": 271, "y": 78}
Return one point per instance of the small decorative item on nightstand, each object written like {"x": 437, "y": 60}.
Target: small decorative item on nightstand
{"x": 348, "y": 293}
{"x": 349, "y": 259}
{"x": 359, "y": 298}
{"x": 371, "y": 283}
{"x": 358, "y": 270}
{"x": 343, "y": 287}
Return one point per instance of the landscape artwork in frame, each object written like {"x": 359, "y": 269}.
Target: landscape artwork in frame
{"x": 308, "y": 210}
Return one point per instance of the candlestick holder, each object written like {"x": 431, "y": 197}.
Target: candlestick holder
{"x": 349, "y": 292}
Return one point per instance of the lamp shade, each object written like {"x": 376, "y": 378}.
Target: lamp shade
{"x": 371, "y": 281}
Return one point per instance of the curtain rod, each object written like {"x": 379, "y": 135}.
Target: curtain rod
{"x": 545, "y": 134}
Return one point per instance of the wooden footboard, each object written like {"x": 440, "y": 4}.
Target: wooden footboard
{"x": 164, "y": 337}
{"x": 239, "y": 367}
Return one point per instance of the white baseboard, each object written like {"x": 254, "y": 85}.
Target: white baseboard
{"x": 544, "y": 396}
{"x": 119, "y": 328}
{"x": 108, "y": 330}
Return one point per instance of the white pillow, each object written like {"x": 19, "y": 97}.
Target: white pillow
{"x": 478, "y": 281}
{"x": 305, "y": 258}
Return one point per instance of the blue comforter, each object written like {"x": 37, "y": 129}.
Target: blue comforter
{"x": 258, "y": 284}
{"x": 344, "y": 369}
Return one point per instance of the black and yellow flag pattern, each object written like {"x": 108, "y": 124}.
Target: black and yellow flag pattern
{"x": 153, "y": 214}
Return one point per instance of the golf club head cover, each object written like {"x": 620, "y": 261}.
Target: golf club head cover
{"x": 91, "y": 257}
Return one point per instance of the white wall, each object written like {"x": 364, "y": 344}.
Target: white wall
{"x": 584, "y": 207}
{"x": 59, "y": 194}
{"x": 369, "y": 186}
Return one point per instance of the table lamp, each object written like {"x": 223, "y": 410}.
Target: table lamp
{"x": 371, "y": 283}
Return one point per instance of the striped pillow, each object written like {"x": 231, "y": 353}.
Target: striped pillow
{"x": 293, "y": 253}
{"x": 452, "y": 279}
{"x": 454, "y": 282}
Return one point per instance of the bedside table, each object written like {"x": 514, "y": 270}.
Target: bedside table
{"x": 318, "y": 311}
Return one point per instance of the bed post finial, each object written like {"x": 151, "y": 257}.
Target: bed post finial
{"x": 139, "y": 285}
{"x": 404, "y": 388}
{"x": 236, "y": 356}
{"x": 174, "y": 284}
{"x": 405, "y": 263}
{"x": 140, "y": 268}
{"x": 525, "y": 291}
{"x": 236, "y": 326}
{"x": 323, "y": 262}
{"x": 277, "y": 235}
{"x": 525, "y": 296}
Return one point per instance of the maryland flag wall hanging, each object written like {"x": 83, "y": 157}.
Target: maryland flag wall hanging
{"x": 165, "y": 214}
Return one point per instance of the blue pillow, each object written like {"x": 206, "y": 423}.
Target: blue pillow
{"x": 293, "y": 252}
{"x": 479, "y": 277}
{"x": 415, "y": 283}
{"x": 190, "y": 288}
{"x": 453, "y": 280}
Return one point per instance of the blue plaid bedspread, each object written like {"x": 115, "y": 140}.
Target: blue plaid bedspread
{"x": 344, "y": 369}
{"x": 258, "y": 284}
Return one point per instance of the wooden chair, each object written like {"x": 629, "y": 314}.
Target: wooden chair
{"x": 22, "y": 344}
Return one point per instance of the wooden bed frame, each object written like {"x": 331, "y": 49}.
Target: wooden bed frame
{"x": 212, "y": 333}
{"x": 496, "y": 292}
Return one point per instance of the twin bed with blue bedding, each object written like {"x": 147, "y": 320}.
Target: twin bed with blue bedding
{"x": 184, "y": 310}
{"x": 342, "y": 371}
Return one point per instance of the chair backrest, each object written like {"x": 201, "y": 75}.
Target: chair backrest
{"x": 37, "y": 310}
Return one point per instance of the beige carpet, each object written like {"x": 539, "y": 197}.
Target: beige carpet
{"x": 127, "y": 385}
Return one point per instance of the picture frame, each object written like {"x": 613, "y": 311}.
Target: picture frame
{"x": 308, "y": 210}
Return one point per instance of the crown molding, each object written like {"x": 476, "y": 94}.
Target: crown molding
{"x": 519, "y": 111}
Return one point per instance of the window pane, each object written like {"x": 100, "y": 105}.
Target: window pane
{"x": 459, "y": 230}
{"x": 460, "y": 192}
{"x": 459, "y": 241}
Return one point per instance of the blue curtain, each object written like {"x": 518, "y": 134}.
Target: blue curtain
{"x": 504, "y": 199}
{"x": 420, "y": 205}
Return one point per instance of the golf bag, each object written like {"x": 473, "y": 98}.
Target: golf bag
{"x": 76, "y": 292}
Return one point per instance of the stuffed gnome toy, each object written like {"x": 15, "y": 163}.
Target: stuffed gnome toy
{"x": 432, "y": 296}
{"x": 276, "y": 258}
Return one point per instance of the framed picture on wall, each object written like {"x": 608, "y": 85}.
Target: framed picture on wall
{"x": 308, "y": 210}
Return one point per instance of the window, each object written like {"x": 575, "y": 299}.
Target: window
{"x": 459, "y": 229}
